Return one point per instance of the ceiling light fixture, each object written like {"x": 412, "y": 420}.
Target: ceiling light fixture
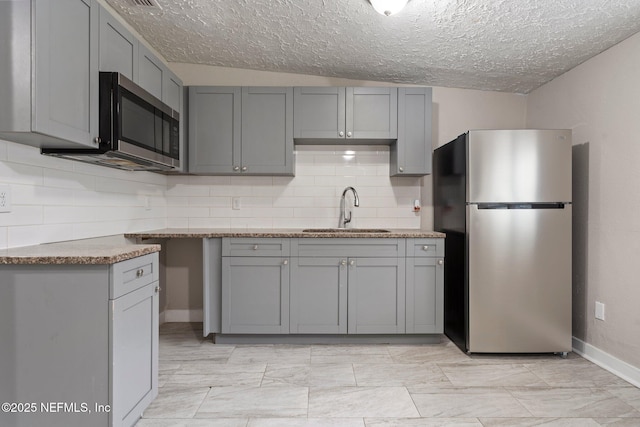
{"x": 388, "y": 7}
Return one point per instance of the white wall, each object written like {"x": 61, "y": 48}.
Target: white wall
{"x": 600, "y": 101}
{"x": 56, "y": 199}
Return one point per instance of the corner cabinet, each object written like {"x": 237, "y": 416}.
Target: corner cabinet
{"x": 56, "y": 44}
{"x": 411, "y": 154}
{"x": 246, "y": 130}
{"x": 349, "y": 115}
{"x": 80, "y": 334}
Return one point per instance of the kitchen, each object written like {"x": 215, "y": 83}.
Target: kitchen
{"x": 56, "y": 200}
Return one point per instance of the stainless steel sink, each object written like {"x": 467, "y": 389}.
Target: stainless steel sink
{"x": 344, "y": 230}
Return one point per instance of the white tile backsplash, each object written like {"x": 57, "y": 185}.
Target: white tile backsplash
{"x": 56, "y": 199}
{"x": 310, "y": 199}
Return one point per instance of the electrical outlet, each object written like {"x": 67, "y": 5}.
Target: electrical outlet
{"x": 599, "y": 310}
{"x": 5, "y": 198}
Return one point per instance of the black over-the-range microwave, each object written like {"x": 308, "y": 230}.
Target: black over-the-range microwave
{"x": 136, "y": 130}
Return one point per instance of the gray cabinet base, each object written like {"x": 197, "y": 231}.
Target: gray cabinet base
{"x": 328, "y": 339}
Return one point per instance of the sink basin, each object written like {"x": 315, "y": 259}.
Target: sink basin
{"x": 344, "y": 230}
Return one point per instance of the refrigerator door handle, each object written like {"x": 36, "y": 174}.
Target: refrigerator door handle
{"x": 556, "y": 205}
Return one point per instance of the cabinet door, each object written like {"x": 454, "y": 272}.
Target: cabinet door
{"x": 319, "y": 112}
{"x": 134, "y": 353}
{"x": 172, "y": 92}
{"x": 318, "y": 295}
{"x": 372, "y": 112}
{"x": 214, "y": 129}
{"x": 411, "y": 154}
{"x": 255, "y": 295}
{"x": 425, "y": 296}
{"x": 267, "y": 131}
{"x": 66, "y": 70}
{"x": 150, "y": 71}
{"x": 376, "y": 296}
{"x": 118, "y": 47}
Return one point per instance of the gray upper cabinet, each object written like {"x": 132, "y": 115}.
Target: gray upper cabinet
{"x": 345, "y": 115}
{"x": 118, "y": 47}
{"x": 411, "y": 154}
{"x": 214, "y": 129}
{"x": 246, "y": 130}
{"x": 150, "y": 71}
{"x": 58, "y": 48}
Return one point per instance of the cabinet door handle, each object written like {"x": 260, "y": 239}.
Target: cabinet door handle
{"x": 236, "y": 168}
{"x": 343, "y": 262}
{"x": 352, "y": 263}
{"x": 140, "y": 273}
{"x": 341, "y": 133}
{"x": 285, "y": 262}
{"x": 255, "y": 247}
{"x": 158, "y": 289}
{"x": 401, "y": 169}
{"x": 440, "y": 262}
{"x": 244, "y": 169}
{"x": 425, "y": 248}
{"x": 97, "y": 140}
{"x": 349, "y": 134}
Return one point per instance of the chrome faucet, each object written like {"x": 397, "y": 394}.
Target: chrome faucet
{"x": 344, "y": 220}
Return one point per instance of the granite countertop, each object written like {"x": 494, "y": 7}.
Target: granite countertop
{"x": 74, "y": 252}
{"x": 282, "y": 233}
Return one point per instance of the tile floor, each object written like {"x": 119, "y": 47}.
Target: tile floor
{"x": 202, "y": 384}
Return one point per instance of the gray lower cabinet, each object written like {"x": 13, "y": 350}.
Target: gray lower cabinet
{"x": 376, "y": 296}
{"x": 345, "y": 114}
{"x": 425, "y": 286}
{"x": 49, "y": 69}
{"x": 83, "y": 335}
{"x": 411, "y": 154}
{"x": 324, "y": 286}
{"x": 241, "y": 130}
{"x": 255, "y": 286}
{"x": 318, "y": 302}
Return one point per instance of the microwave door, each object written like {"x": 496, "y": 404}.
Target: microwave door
{"x": 138, "y": 122}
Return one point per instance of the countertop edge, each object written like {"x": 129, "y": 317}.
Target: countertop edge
{"x": 65, "y": 253}
{"x": 266, "y": 233}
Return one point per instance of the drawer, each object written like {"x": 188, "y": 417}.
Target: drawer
{"x": 132, "y": 274}
{"x": 418, "y": 248}
{"x": 349, "y": 247}
{"x": 273, "y": 247}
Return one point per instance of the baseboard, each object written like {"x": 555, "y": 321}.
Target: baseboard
{"x": 182, "y": 316}
{"x": 162, "y": 317}
{"x": 606, "y": 361}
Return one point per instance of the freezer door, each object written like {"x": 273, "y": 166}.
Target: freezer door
{"x": 519, "y": 280}
{"x": 519, "y": 166}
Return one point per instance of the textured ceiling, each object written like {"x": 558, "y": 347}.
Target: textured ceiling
{"x": 503, "y": 45}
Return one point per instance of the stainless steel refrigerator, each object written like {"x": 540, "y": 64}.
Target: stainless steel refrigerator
{"x": 503, "y": 198}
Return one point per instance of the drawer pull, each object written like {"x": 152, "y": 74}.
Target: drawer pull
{"x": 440, "y": 262}
{"x": 425, "y": 248}
{"x": 140, "y": 273}
{"x": 285, "y": 262}
{"x": 352, "y": 263}
{"x": 255, "y": 247}
{"x": 158, "y": 289}
{"x": 343, "y": 262}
